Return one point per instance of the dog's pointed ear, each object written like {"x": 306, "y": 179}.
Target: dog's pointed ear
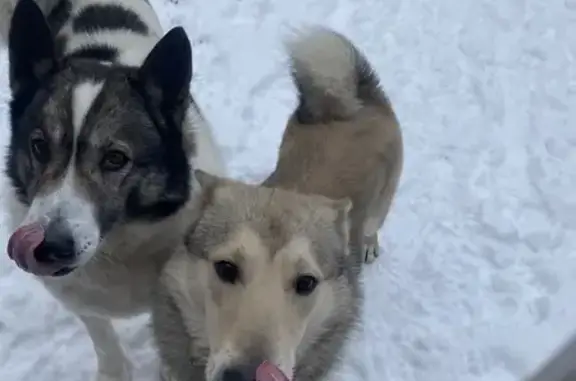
{"x": 209, "y": 183}
{"x": 167, "y": 70}
{"x": 30, "y": 45}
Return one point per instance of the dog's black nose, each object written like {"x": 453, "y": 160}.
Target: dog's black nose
{"x": 58, "y": 244}
{"x": 240, "y": 373}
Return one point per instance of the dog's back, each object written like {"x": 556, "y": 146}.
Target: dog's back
{"x": 343, "y": 140}
{"x": 122, "y": 32}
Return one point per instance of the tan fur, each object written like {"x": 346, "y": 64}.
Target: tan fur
{"x": 338, "y": 169}
{"x": 273, "y": 236}
{"x": 343, "y": 140}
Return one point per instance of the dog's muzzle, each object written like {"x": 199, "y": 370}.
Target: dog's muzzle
{"x": 43, "y": 251}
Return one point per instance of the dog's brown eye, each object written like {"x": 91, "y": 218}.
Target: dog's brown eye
{"x": 114, "y": 160}
{"x": 228, "y": 272}
{"x": 305, "y": 285}
{"x": 40, "y": 149}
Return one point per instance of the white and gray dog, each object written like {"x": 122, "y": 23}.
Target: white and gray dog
{"x": 105, "y": 138}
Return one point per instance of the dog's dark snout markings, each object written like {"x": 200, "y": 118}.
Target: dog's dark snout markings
{"x": 58, "y": 245}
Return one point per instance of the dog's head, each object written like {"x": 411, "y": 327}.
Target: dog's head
{"x": 93, "y": 145}
{"x": 270, "y": 275}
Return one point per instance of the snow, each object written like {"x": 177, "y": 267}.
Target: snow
{"x": 479, "y": 273}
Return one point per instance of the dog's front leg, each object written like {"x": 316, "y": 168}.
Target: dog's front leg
{"x": 113, "y": 364}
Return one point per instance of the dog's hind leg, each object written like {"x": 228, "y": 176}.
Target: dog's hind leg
{"x": 367, "y": 217}
{"x": 376, "y": 216}
{"x": 381, "y": 201}
{"x": 371, "y": 248}
{"x": 377, "y": 213}
{"x": 112, "y": 362}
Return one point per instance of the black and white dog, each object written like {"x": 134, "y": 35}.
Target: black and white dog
{"x": 105, "y": 137}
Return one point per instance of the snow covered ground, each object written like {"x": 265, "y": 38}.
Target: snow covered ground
{"x": 478, "y": 281}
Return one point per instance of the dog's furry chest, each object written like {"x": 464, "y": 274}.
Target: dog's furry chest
{"x": 107, "y": 289}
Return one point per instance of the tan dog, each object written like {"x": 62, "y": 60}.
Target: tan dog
{"x": 267, "y": 275}
{"x": 264, "y": 276}
{"x": 343, "y": 140}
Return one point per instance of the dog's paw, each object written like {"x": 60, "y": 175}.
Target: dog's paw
{"x": 371, "y": 248}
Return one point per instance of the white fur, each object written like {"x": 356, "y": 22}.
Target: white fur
{"x": 117, "y": 280}
{"x": 66, "y": 199}
{"x": 83, "y": 98}
{"x": 329, "y": 61}
{"x": 67, "y": 202}
{"x": 142, "y": 8}
{"x": 110, "y": 354}
{"x": 133, "y": 48}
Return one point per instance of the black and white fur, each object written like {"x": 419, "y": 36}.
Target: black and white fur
{"x": 105, "y": 138}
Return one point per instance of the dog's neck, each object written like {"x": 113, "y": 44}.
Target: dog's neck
{"x": 151, "y": 240}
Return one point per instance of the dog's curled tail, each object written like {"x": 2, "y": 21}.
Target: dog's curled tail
{"x": 333, "y": 78}
{"x": 7, "y": 10}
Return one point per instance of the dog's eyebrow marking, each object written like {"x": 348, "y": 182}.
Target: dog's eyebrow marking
{"x": 243, "y": 242}
{"x": 300, "y": 251}
{"x": 99, "y": 17}
{"x": 83, "y": 97}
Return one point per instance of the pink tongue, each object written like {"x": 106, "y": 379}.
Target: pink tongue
{"x": 269, "y": 372}
{"x": 25, "y": 240}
